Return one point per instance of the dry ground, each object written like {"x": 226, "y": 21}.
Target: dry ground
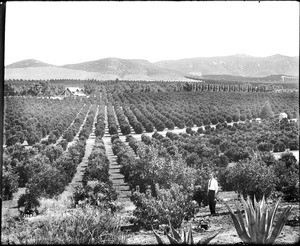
{"x": 222, "y": 222}
{"x": 227, "y": 235}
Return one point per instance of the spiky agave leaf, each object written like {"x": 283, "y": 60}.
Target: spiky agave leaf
{"x": 174, "y": 233}
{"x": 241, "y": 221}
{"x": 242, "y": 234}
{"x": 262, "y": 222}
{"x": 173, "y": 240}
{"x": 279, "y": 225}
{"x": 190, "y": 236}
{"x": 270, "y": 220}
{"x": 252, "y": 214}
{"x": 159, "y": 240}
{"x": 259, "y": 221}
{"x": 183, "y": 236}
{"x": 208, "y": 238}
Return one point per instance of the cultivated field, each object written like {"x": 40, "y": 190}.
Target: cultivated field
{"x": 138, "y": 154}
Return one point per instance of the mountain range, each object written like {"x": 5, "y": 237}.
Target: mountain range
{"x": 138, "y": 69}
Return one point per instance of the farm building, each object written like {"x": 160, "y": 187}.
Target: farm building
{"x": 282, "y": 116}
{"x": 73, "y": 91}
{"x": 285, "y": 90}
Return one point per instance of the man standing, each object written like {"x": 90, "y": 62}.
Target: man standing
{"x": 212, "y": 190}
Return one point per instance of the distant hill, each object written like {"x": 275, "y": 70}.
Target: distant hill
{"x": 270, "y": 78}
{"x": 103, "y": 69}
{"x": 127, "y": 69}
{"x": 236, "y": 65}
{"x": 29, "y": 63}
{"x": 45, "y": 73}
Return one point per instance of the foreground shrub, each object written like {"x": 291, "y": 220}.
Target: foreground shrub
{"x": 86, "y": 225}
{"x": 9, "y": 182}
{"x": 287, "y": 173}
{"x": 279, "y": 146}
{"x": 29, "y": 202}
{"x": 170, "y": 204}
{"x": 258, "y": 227}
{"x": 252, "y": 177}
{"x": 95, "y": 193}
{"x": 157, "y": 166}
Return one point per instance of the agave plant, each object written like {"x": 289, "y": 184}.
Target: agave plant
{"x": 186, "y": 238}
{"x": 259, "y": 221}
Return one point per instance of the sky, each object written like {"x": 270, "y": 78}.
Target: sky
{"x": 71, "y": 32}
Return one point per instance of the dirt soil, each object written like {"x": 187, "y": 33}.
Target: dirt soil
{"x": 227, "y": 235}
{"x": 223, "y": 223}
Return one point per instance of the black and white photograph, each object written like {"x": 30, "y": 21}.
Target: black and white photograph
{"x": 149, "y": 122}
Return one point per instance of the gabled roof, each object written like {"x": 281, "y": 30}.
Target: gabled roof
{"x": 78, "y": 93}
{"x": 74, "y": 89}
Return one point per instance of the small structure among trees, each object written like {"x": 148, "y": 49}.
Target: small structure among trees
{"x": 281, "y": 116}
{"x": 73, "y": 91}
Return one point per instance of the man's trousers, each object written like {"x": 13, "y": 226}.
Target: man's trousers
{"x": 211, "y": 201}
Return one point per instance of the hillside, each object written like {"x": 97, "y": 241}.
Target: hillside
{"x": 127, "y": 69}
{"x": 29, "y": 63}
{"x": 237, "y": 65}
{"x": 103, "y": 69}
{"x": 45, "y": 73}
{"x": 270, "y": 78}
{"x": 137, "y": 69}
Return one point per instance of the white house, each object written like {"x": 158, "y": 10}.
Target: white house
{"x": 74, "y": 91}
{"x": 282, "y": 116}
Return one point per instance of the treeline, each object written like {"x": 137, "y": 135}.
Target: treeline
{"x": 46, "y": 88}
{"x": 56, "y": 87}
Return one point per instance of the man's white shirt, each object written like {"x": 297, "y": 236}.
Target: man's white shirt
{"x": 213, "y": 185}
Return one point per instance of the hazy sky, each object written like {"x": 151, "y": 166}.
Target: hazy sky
{"x": 71, "y": 32}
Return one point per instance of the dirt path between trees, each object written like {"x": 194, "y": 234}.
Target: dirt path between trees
{"x": 9, "y": 207}
{"x": 116, "y": 177}
{"x": 90, "y": 142}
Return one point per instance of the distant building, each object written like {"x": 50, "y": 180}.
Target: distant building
{"x": 231, "y": 164}
{"x": 74, "y": 91}
{"x": 282, "y": 116}
{"x": 285, "y": 90}
{"x": 284, "y": 78}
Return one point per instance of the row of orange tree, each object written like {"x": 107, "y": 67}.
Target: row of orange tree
{"x": 45, "y": 169}
{"x": 246, "y": 146}
{"x": 32, "y": 119}
{"x": 166, "y": 110}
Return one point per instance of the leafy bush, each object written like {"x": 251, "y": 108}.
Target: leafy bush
{"x": 97, "y": 167}
{"x": 265, "y": 146}
{"x": 287, "y": 173}
{"x": 252, "y": 177}
{"x": 279, "y": 146}
{"x": 63, "y": 143}
{"x": 113, "y": 129}
{"x": 235, "y": 117}
{"x": 170, "y": 125}
{"x": 29, "y": 201}
{"x": 149, "y": 127}
{"x": 47, "y": 183}
{"x": 95, "y": 193}
{"x": 266, "y": 111}
{"x": 9, "y": 182}
{"x": 170, "y": 204}
{"x": 228, "y": 118}
{"x": 146, "y": 139}
{"x": 83, "y": 225}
